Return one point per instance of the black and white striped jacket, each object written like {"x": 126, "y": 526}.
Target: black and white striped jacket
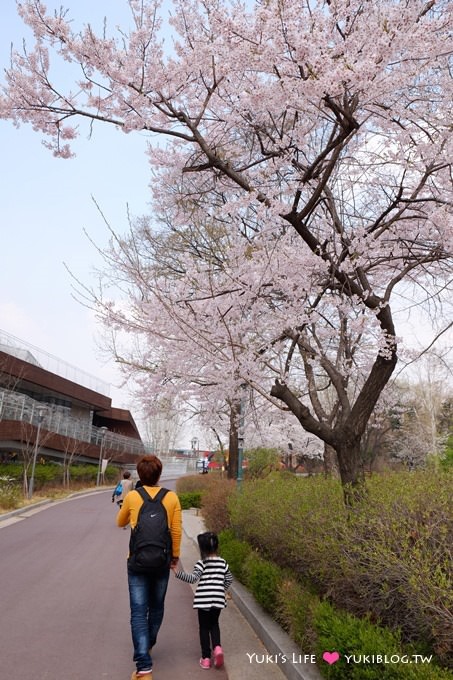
{"x": 214, "y": 577}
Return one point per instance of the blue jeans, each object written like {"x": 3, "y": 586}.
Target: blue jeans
{"x": 146, "y": 596}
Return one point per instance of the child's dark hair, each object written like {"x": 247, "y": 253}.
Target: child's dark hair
{"x": 208, "y": 543}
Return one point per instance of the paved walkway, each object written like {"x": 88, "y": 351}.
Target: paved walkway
{"x": 254, "y": 645}
{"x": 238, "y": 638}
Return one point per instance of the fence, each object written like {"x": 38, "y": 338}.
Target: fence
{"x": 57, "y": 419}
{"x": 34, "y": 355}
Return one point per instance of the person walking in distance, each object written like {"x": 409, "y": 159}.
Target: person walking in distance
{"x": 148, "y": 582}
{"x": 126, "y": 485}
{"x": 213, "y": 578}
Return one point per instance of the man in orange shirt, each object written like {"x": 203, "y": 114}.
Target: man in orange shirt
{"x": 147, "y": 590}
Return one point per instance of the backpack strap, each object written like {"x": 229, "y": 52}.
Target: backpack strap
{"x": 161, "y": 494}
{"x": 146, "y": 496}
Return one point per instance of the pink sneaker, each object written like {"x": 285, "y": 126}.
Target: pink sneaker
{"x": 205, "y": 663}
{"x": 218, "y": 656}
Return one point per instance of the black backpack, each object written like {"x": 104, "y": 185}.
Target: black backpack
{"x": 150, "y": 544}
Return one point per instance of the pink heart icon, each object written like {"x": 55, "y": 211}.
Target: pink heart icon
{"x": 331, "y": 657}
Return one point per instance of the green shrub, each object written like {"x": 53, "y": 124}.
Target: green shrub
{"x": 234, "y": 551}
{"x": 396, "y": 560}
{"x": 446, "y": 460}
{"x": 294, "y": 612}
{"x": 355, "y": 638}
{"x": 389, "y": 558}
{"x": 48, "y": 473}
{"x": 214, "y": 491}
{"x": 86, "y": 472}
{"x": 12, "y": 471}
{"x": 262, "y": 578}
{"x": 261, "y": 462}
{"x": 111, "y": 473}
{"x": 190, "y": 500}
{"x": 295, "y": 521}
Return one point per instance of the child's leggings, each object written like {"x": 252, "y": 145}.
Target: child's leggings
{"x": 208, "y": 621}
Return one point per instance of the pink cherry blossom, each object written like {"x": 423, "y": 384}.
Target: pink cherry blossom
{"x": 301, "y": 164}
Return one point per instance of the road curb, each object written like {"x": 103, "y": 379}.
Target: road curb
{"x": 286, "y": 653}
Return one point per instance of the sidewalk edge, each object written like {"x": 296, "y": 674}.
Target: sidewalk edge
{"x": 274, "y": 638}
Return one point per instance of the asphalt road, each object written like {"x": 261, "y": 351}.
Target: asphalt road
{"x": 64, "y": 610}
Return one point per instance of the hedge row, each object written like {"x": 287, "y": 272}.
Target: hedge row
{"x": 190, "y": 499}
{"x": 52, "y": 473}
{"x": 388, "y": 561}
{"x": 316, "y": 626}
{"x": 48, "y": 476}
{"x": 212, "y": 493}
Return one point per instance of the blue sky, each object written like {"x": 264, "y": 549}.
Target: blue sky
{"x": 46, "y": 204}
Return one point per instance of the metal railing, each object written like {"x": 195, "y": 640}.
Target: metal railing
{"x": 38, "y": 357}
{"x": 57, "y": 419}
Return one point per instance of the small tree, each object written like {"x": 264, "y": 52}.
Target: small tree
{"x": 33, "y": 438}
{"x": 72, "y": 450}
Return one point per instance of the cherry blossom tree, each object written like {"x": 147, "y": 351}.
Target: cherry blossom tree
{"x": 182, "y": 346}
{"x": 317, "y": 136}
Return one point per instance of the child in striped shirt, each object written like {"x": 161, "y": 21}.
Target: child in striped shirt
{"x": 213, "y": 577}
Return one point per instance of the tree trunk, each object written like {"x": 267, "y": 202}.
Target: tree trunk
{"x": 222, "y": 451}
{"x": 330, "y": 461}
{"x": 233, "y": 444}
{"x": 346, "y": 436}
{"x": 351, "y": 471}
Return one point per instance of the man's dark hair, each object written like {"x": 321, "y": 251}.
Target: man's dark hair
{"x": 149, "y": 469}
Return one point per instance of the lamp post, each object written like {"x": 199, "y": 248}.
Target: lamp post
{"x": 101, "y": 450}
{"x": 240, "y": 476}
{"x": 41, "y": 416}
{"x": 240, "y": 434}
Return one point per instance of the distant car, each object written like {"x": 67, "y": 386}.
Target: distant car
{"x": 202, "y": 465}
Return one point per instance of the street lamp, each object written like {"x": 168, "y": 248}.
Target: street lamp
{"x": 41, "y": 416}
{"x": 101, "y": 450}
{"x": 240, "y": 434}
